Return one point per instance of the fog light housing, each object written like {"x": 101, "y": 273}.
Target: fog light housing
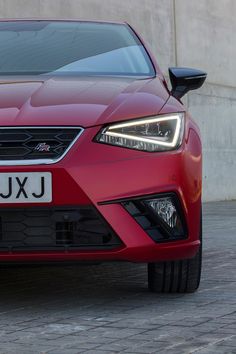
{"x": 166, "y": 210}
{"x": 160, "y": 216}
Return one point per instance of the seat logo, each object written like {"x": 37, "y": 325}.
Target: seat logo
{"x": 42, "y": 147}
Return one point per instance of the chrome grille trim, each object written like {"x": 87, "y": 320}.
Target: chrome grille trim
{"x": 46, "y": 161}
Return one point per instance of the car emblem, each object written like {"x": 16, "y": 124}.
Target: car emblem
{"x": 42, "y": 147}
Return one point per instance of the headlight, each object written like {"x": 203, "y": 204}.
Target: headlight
{"x": 158, "y": 133}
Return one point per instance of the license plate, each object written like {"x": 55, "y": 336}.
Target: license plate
{"x": 33, "y": 187}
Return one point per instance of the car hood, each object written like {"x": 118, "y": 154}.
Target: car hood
{"x": 78, "y": 101}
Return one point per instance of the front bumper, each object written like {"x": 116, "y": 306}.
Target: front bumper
{"x": 92, "y": 174}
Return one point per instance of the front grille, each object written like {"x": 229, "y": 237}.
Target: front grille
{"x": 36, "y": 143}
{"x": 55, "y": 229}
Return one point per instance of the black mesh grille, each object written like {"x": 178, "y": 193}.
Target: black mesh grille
{"x": 55, "y": 229}
{"x": 35, "y": 143}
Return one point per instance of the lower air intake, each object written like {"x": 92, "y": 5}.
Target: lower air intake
{"x": 55, "y": 229}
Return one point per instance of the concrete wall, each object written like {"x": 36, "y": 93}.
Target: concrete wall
{"x": 200, "y": 34}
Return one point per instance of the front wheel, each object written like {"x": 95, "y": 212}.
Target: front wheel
{"x": 181, "y": 276}
{"x": 175, "y": 277}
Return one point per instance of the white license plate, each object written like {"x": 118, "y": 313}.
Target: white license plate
{"x": 33, "y": 187}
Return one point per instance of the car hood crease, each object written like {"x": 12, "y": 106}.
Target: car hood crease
{"x": 80, "y": 101}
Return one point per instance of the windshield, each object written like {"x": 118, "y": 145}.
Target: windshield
{"x": 83, "y": 48}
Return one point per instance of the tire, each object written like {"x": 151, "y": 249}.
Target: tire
{"x": 181, "y": 276}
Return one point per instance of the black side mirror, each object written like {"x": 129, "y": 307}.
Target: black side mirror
{"x": 185, "y": 79}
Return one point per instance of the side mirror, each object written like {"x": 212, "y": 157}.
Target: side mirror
{"x": 185, "y": 79}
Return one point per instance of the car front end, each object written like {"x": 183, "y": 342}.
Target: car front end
{"x": 95, "y": 167}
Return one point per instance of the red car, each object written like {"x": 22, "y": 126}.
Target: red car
{"x": 99, "y": 161}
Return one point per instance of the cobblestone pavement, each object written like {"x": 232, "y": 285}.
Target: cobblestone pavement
{"x": 107, "y": 308}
